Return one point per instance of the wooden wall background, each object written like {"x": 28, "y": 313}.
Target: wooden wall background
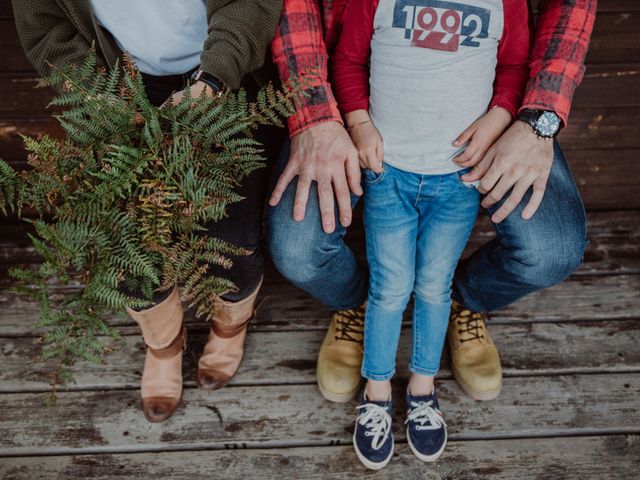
{"x": 602, "y": 141}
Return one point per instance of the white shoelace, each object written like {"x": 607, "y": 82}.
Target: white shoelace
{"x": 377, "y": 421}
{"x": 423, "y": 412}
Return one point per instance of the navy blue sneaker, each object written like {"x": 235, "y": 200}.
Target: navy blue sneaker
{"x": 372, "y": 437}
{"x": 426, "y": 428}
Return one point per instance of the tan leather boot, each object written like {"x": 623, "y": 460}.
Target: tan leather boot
{"x": 225, "y": 348}
{"x": 340, "y": 356}
{"x": 475, "y": 362}
{"x": 165, "y": 337}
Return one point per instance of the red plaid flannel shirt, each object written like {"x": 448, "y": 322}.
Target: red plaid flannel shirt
{"x": 308, "y": 32}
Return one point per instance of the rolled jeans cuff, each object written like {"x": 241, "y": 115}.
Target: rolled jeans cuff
{"x": 377, "y": 377}
{"x": 428, "y": 372}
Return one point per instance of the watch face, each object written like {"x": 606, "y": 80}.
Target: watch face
{"x": 548, "y": 124}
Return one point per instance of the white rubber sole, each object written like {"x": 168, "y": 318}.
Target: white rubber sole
{"x": 368, "y": 463}
{"x": 423, "y": 457}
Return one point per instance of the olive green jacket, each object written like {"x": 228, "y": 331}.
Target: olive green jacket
{"x": 60, "y": 32}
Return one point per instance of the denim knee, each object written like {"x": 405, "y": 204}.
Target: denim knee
{"x": 293, "y": 260}
{"x": 434, "y": 293}
{"x": 390, "y": 298}
{"x": 551, "y": 261}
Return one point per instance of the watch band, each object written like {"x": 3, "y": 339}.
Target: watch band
{"x": 212, "y": 81}
{"x": 529, "y": 116}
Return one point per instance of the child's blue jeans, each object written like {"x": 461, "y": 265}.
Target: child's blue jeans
{"x": 416, "y": 229}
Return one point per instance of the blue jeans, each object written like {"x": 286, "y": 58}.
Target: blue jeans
{"x": 416, "y": 228}
{"x": 525, "y": 256}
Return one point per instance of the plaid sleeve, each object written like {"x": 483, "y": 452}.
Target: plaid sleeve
{"x": 299, "y": 51}
{"x": 557, "y": 60}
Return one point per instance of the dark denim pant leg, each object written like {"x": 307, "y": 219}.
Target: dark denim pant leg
{"x": 242, "y": 226}
{"x": 527, "y": 255}
{"x": 317, "y": 262}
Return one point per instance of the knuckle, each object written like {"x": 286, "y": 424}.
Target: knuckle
{"x": 509, "y": 205}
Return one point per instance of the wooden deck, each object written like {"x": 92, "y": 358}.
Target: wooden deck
{"x": 570, "y": 406}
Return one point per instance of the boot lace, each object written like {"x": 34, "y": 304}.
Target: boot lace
{"x": 377, "y": 422}
{"x": 350, "y": 325}
{"x": 424, "y": 413}
{"x": 470, "y": 324}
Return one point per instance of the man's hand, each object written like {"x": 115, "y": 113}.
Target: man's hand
{"x": 518, "y": 160}
{"x": 323, "y": 153}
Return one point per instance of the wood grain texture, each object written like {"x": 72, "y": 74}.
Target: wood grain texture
{"x": 615, "y": 38}
{"x": 601, "y": 128}
{"x": 601, "y": 145}
{"x": 595, "y": 458}
{"x": 279, "y": 358}
{"x": 283, "y": 416}
{"x": 603, "y": 86}
{"x": 614, "y": 241}
{"x": 588, "y": 298}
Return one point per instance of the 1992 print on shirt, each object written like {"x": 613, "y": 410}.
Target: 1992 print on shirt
{"x": 441, "y": 25}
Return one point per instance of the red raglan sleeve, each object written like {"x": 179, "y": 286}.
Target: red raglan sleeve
{"x": 350, "y": 63}
{"x": 512, "y": 70}
{"x": 560, "y": 46}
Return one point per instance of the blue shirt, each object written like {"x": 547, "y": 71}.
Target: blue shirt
{"x": 164, "y": 37}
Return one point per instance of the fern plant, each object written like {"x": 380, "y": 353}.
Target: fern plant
{"x": 122, "y": 203}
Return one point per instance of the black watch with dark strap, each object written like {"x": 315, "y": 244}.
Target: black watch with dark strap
{"x": 212, "y": 81}
{"x": 545, "y": 123}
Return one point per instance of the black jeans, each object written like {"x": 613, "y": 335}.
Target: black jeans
{"x": 242, "y": 225}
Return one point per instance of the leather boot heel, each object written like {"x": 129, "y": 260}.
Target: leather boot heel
{"x": 225, "y": 347}
{"x": 165, "y": 337}
{"x": 159, "y": 408}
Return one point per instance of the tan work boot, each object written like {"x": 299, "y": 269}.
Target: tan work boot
{"x": 340, "y": 356}
{"x": 475, "y": 362}
{"x": 225, "y": 348}
{"x": 165, "y": 337}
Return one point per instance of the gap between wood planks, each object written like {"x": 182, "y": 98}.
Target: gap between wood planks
{"x": 288, "y": 358}
{"x": 563, "y": 457}
{"x": 109, "y": 421}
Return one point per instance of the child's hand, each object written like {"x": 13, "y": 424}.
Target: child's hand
{"x": 366, "y": 139}
{"x": 481, "y": 134}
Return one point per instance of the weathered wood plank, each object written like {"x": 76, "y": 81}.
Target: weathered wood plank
{"x": 616, "y": 38}
{"x": 603, "y": 86}
{"x": 600, "y": 128}
{"x": 567, "y": 458}
{"x": 614, "y": 241}
{"x": 605, "y": 178}
{"x": 280, "y": 416}
{"x": 290, "y": 357}
{"x": 588, "y": 298}
{"x": 588, "y": 129}
{"x": 11, "y": 144}
{"x": 609, "y": 86}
